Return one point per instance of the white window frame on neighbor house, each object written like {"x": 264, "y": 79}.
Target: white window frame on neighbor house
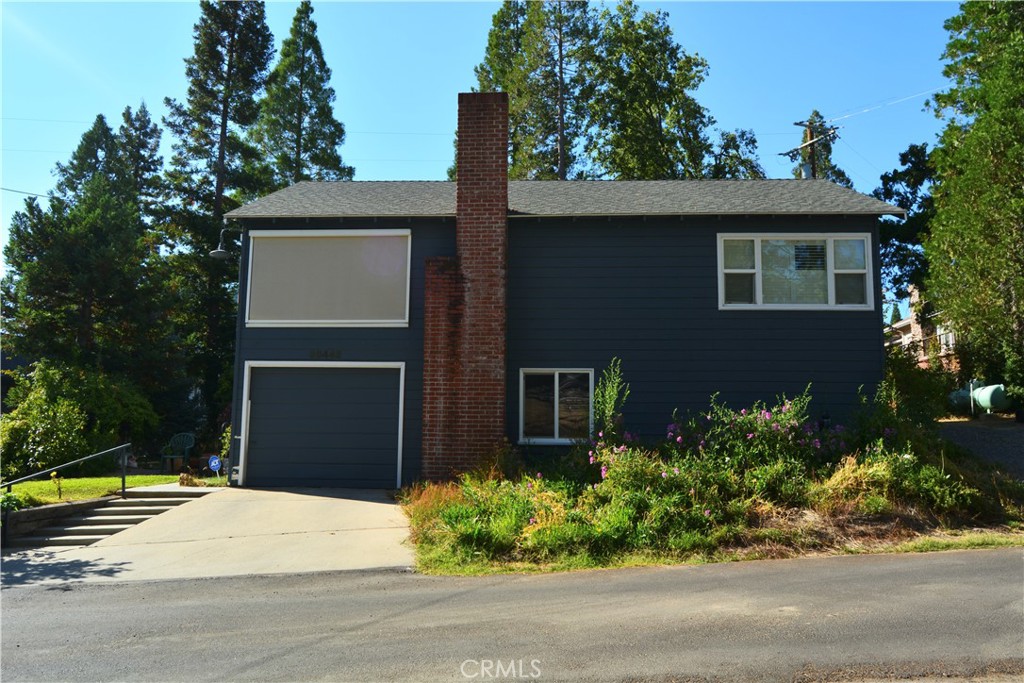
{"x": 555, "y": 440}
{"x": 831, "y": 272}
{"x": 318, "y": 277}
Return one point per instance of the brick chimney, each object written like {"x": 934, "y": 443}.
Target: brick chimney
{"x": 464, "y": 308}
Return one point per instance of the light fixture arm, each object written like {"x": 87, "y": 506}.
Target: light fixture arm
{"x": 220, "y": 252}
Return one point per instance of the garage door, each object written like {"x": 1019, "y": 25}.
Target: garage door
{"x": 323, "y": 426}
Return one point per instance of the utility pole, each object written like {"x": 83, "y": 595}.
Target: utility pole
{"x": 809, "y": 141}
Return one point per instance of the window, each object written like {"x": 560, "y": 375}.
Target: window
{"x": 795, "y": 271}
{"x": 328, "y": 278}
{"x": 555, "y": 405}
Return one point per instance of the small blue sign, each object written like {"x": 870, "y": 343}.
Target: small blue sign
{"x": 214, "y": 463}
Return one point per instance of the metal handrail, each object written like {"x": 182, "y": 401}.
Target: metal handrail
{"x": 124, "y": 474}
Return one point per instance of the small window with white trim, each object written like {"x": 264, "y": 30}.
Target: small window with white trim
{"x": 795, "y": 271}
{"x": 555, "y": 405}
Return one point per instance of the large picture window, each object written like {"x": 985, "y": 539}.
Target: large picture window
{"x": 555, "y": 405}
{"x": 795, "y": 271}
{"x": 328, "y": 278}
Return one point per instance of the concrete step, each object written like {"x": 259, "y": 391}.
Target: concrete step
{"x": 38, "y": 541}
{"x": 82, "y": 530}
{"x": 134, "y": 510}
{"x": 187, "y": 492}
{"x": 165, "y": 503}
{"x": 104, "y": 517}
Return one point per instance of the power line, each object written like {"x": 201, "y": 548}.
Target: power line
{"x": 31, "y": 194}
{"x": 884, "y": 104}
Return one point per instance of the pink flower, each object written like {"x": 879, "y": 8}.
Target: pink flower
{"x": 540, "y": 476}
{"x": 750, "y": 436}
{"x": 664, "y": 475}
{"x": 592, "y": 459}
{"x": 604, "y": 471}
{"x": 707, "y": 513}
{"x": 679, "y": 439}
{"x": 743, "y": 411}
{"x": 533, "y": 520}
{"x": 529, "y": 484}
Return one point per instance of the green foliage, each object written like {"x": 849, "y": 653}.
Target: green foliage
{"x": 610, "y": 394}
{"x": 976, "y": 247}
{"x": 818, "y": 154}
{"x": 706, "y": 488}
{"x": 903, "y": 259}
{"x": 225, "y": 444}
{"x": 646, "y": 123}
{"x": 538, "y": 53}
{"x": 10, "y": 501}
{"x": 62, "y": 414}
{"x": 213, "y": 168}
{"x": 604, "y": 95}
{"x": 296, "y": 130}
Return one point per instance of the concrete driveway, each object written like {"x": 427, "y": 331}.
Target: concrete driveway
{"x": 235, "y": 532}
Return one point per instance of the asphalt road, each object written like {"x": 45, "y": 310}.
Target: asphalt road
{"x": 838, "y": 618}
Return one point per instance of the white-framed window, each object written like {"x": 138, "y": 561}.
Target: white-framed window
{"x": 830, "y": 271}
{"x": 555, "y": 405}
{"x": 328, "y": 278}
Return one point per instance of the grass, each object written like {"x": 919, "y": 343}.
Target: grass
{"x": 44, "y": 491}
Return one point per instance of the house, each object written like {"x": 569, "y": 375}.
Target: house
{"x": 393, "y": 331}
{"x": 924, "y": 336}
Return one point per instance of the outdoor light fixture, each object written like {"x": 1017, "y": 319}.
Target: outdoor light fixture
{"x": 220, "y": 253}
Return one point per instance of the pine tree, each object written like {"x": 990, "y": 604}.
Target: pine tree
{"x": 537, "y": 52}
{"x": 83, "y": 287}
{"x": 296, "y": 129}
{"x": 212, "y": 169}
{"x": 139, "y": 140}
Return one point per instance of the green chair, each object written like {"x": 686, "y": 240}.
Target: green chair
{"x": 179, "y": 447}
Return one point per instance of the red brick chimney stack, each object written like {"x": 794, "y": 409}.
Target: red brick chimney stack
{"x": 464, "y": 311}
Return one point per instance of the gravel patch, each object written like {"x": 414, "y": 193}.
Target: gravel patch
{"x": 995, "y": 438}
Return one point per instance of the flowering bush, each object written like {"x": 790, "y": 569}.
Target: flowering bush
{"x": 713, "y": 477}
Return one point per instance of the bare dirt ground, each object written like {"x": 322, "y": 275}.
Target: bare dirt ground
{"x": 996, "y": 438}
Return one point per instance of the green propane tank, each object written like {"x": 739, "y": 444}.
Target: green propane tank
{"x": 992, "y": 397}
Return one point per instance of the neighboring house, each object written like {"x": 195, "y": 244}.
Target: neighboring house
{"x": 393, "y": 331}
{"x": 923, "y": 335}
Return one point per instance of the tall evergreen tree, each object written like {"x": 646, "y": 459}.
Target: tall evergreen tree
{"x": 212, "y": 167}
{"x": 139, "y": 140}
{"x": 83, "y": 287}
{"x": 296, "y": 129}
{"x": 816, "y": 150}
{"x": 976, "y": 248}
{"x": 646, "y": 124}
{"x": 537, "y": 52}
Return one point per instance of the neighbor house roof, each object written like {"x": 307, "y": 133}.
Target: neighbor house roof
{"x": 352, "y": 199}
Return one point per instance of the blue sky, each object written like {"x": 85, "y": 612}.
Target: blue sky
{"x": 397, "y": 67}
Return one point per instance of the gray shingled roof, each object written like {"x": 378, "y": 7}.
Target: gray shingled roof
{"x": 355, "y": 199}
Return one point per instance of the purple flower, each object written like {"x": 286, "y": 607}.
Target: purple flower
{"x": 679, "y": 439}
{"x": 702, "y": 443}
{"x": 775, "y": 426}
{"x": 592, "y": 460}
{"x": 676, "y": 470}
{"x": 533, "y": 520}
{"x": 604, "y": 471}
{"x": 664, "y": 475}
{"x": 529, "y": 484}
{"x": 743, "y": 411}
{"x": 750, "y": 436}
{"x": 707, "y": 513}
{"x": 540, "y": 476}
{"x": 669, "y": 436}
{"x": 817, "y": 443}
{"x": 600, "y": 435}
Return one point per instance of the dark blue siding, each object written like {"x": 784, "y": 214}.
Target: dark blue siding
{"x": 584, "y": 291}
{"x": 429, "y": 238}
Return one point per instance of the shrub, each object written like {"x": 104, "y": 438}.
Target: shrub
{"x": 610, "y": 394}
{"x": 61, "y": 414}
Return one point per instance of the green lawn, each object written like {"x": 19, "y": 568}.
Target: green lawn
{"x": 44, "y": 491}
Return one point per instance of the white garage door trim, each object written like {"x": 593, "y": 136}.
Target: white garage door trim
{"x": 243, "y": 447}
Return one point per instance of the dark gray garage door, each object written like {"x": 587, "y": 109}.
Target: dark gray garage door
{"x": 323, "y": 427}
